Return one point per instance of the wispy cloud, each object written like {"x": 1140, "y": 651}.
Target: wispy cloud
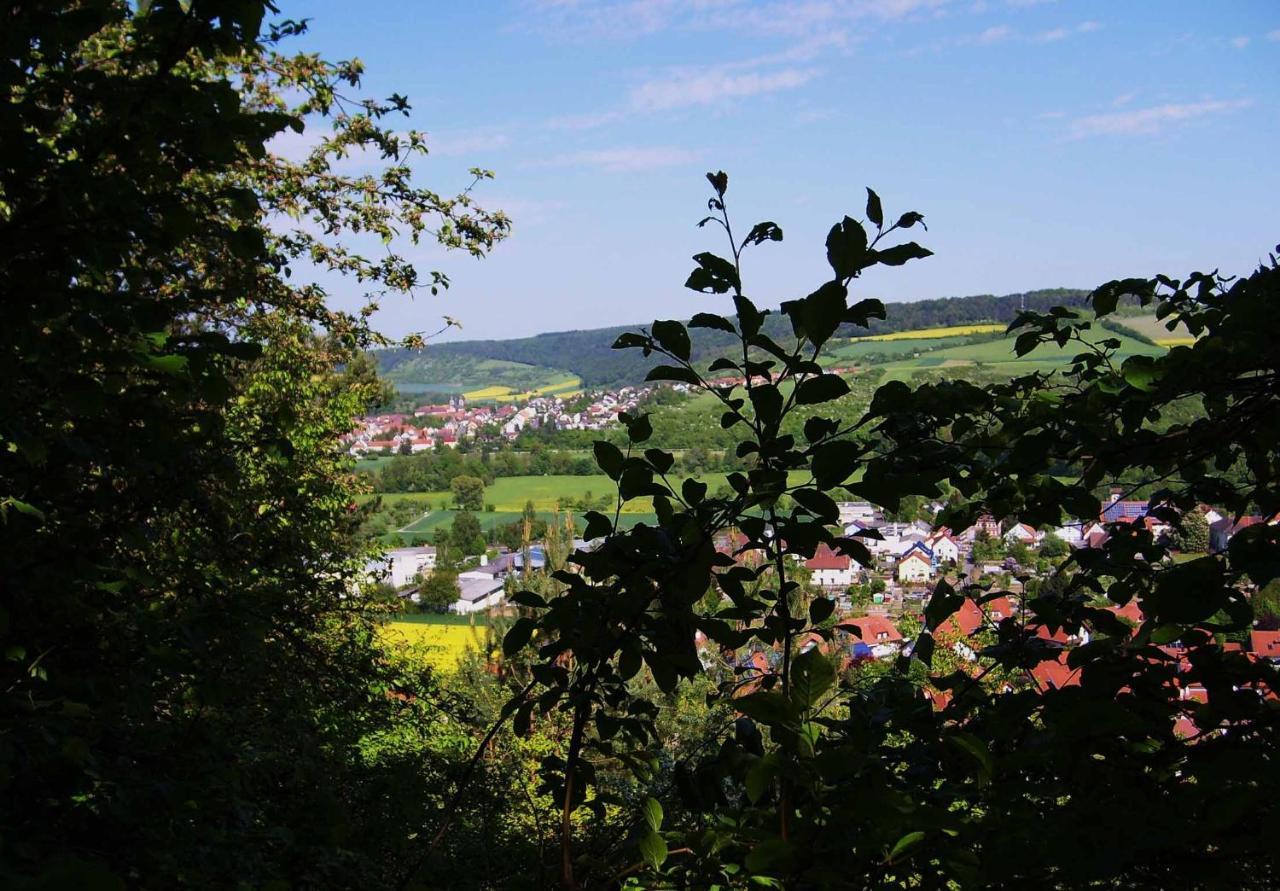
{"x": 994, "y": 34}
{"x": 467, "y": 142}
{"x": 707, "y": 87}
{"x": 1022, "y": 4}
{"x": 629, "y": 19}
{"x": 1150, "y": 121}
{"x": 1062, "y": 33}
{"x": 1273, "y": 35}
{"x": 632, "y": 159}
{"x": 1240, "y": 42}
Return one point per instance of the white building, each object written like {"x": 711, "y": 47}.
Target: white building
{"x": 915, "y": 567}
{"x": 401, "y": 566}
{"x": 477, "y": 591}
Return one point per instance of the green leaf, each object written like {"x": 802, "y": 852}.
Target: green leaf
{"x": 527, "y": 598}
{"x": 771, "y": 855}
{"x": 598, "y": 525}
{"x": 901, "y": 253}
{"x": 811, "y": 676}
{"x": 820, "y": 610}
{"x": 609, "y": 457}
{"x": 1141, "y": 372}
{"x": 709, "y": 320}
{"x": 639, "y": 427}
{"x": 653, "y": 848}
{"x": 904, "y": 846}
{"x": 661, "y": 461}
{"x": 673, "y": 337}
{"x": 834, "y": 462}
{"x": 673, "y": 373}
{"x": 875, "y": 213}
{"x": 767, "y": 707}
{"x": 762, "y": 232}
{"x": 942, "y": 604}
{"x": 978, "y": 749}
{"x": 518, "y": 636}
{"x": 847, "y": 248}
{"x": 714, "y": 275}
{"x": 652, "y": 811}
{"x": 820, "y": 504}
{"x": 759, "y": 776}
{"x": 823, "y": 388}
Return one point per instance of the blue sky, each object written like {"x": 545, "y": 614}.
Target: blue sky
{"x": 1047, "y": 143}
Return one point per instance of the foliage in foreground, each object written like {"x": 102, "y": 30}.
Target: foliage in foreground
{"x": 820, "y": 783}
{"x": 190, "y": 668}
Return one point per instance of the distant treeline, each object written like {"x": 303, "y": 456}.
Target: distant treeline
{"x": 434, "y": 471}
{"x": 589, "y": 353}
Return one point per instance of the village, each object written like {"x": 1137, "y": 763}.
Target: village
{"x": 448, "y": 424}
{"x": 879, "y": 607}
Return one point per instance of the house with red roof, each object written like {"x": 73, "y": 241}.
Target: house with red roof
{"x": 1222, "y": 531}
{"x": 831, "y": 570}
{"x": 874, "y": 634}
{"x": 1265, "y": 644}
{"x": 1022, "y": 533}
{"x": 944, "y": 547}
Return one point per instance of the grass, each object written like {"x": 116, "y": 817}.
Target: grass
{"x": 998, "y": 355}
{"x": 943, "y": 331}
{"x": 441, "y": 644}
{"x": 509, "y": 494}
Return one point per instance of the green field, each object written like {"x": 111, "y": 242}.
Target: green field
{"x": 510, "y": 494}
{"x": 435, "y": 372}
{"x": 999, "y": 355}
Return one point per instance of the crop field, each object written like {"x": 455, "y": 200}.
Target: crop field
{"x": 999, "y": 354}
{"x": 945, "y": 331}
{"x": 440, "y": 644}
{"x": 563, "y": 385}
{"x": 1154, "y": 328}
{"x": 869, "y": 349}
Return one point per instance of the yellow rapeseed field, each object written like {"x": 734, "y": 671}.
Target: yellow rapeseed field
{"x": 1167, "y": 342}
{"x": 948, "y": 331}
{"x": 442, "y": 645}
{"x": 488, "y": 393}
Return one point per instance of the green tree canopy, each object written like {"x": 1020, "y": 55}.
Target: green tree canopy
{"x": 189, "y": 662}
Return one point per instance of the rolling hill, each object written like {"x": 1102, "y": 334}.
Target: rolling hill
{"x": 548, "y": 360}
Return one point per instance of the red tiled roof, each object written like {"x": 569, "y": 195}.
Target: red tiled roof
{"x": 825, "y": 558}
{"x": 1057, "y": 675}
{"x": 1265, "y": 643}
{"x": 871, "y": 628}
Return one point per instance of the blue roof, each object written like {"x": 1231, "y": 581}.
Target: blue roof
{"x": 1123, "y": 510}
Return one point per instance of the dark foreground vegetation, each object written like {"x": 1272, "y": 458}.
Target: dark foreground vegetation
{"x": 195, "y": 693}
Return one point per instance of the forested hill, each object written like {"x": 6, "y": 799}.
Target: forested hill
{"x": 589, "y": 354}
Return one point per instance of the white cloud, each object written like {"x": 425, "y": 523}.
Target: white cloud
{"x": 709, "y": 86}
{"x": 1149, "y": 121}
{"x": 994, "y": 34}
{"x": 623, "y": 160}
{"x": 1124, "y": 99}
{"x": 628, "y": 19}
{"x": 1022, "y": 4}
{"x": 1240, "y": 42}
{"x": 588, "y": 121}
{"x": 1055, "y": 34}
{"x": 1273, "y": 35}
